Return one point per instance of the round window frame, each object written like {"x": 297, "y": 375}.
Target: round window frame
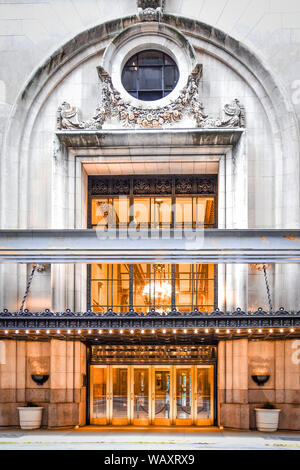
{"x": 163, "y": 89}
{"x": 133, "y": 40}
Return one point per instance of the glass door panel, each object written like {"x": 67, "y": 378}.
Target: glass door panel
{"x": 99, "y": 397}
{"x": 162, "y": 396}
{"x": 119, "y": 395}
{"x": 141, "y": 402}
{"x": 183, "y": 395}
{"x": 204, "y": 395}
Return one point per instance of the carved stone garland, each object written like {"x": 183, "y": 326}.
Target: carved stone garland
{"x": 187, "y": 103}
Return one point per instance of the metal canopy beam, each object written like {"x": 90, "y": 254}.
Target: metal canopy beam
{"x": 211, "y": 246}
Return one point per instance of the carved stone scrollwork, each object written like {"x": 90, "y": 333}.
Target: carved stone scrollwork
{"x": 150, "y": 10}
{"x": 67, "y": 117}
{"x": 187, "y": 104}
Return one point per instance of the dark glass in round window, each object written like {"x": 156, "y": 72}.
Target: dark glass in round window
{"x": 150, "y": 75}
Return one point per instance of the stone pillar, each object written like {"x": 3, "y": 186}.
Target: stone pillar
{"x": 234, "y": 408}
{"x": 67, "y": 370}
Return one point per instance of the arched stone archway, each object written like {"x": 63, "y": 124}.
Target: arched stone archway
{"x": 29, "y": 111}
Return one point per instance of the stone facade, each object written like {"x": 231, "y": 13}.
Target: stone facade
{"x": 224, "y": 83}
{"x": 239, "y": 395}
{"x": 62, "y": 396}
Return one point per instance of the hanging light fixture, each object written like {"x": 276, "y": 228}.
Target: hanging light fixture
{"x": 161, "y": 288}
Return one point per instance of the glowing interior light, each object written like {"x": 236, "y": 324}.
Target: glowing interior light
{"x": 89, "y": 332}
{"x": 195, "y": 331}
{"x": 131, "y": 332}
{"x": 47, "y": 332}
{"x": 271, "y": 331}
{"x": 6, "y": 332}
{"x": 58, "y": 332}
{"x": 143, "y": 331}
{"x": 238, "y": 331}
{"x": 206, "y": 331}
{"x": 292, "y": 330}
{"x": 69, "y": 332}
{"x": 281, "y": 330}
{"x": 227, "y": 331}
{"x": 121, "y": 332}
{"x": 260, "y": 331}
{"x": 100, "y": 332}
{"x": 174, "y": 331}
{"x": 217, "y": 331}
{"x": 26, "y": 332}
{"x": 164, "y": 332}
{"x": 249, "y": 331}
{"x": 110, "y": 332}
{"x": 79, "y": 332}
{"x": 153, "y": 332}
{"x": 185, "y": 331}
{"x": 17, "y": 331}
{"x": 37, "y": 331}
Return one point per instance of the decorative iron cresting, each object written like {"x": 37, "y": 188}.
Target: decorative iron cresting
{"x": 152, "y": 319}
{"x": 186, "y": 104}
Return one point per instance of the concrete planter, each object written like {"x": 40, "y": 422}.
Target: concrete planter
{"x": 267, "y": 420}
{"x": 30, "y": 417}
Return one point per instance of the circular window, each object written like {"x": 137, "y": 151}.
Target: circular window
{"x": 150, "y": 75}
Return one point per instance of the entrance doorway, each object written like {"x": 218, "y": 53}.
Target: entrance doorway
{"x": 153, "y": 394}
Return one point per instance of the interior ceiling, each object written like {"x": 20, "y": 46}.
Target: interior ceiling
{"x": 141, "y": 168}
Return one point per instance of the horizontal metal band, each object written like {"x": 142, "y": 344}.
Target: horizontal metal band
{"x": 208, "y": 246}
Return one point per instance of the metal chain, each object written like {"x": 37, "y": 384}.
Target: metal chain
{"x": 268, "y": 288}
{"x": 27, "y": 288}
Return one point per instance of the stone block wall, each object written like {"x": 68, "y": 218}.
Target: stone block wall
{"x": 239, "y": 395}
{"x": 62, "y": 396}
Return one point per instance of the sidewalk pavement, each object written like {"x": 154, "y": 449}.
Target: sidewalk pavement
{"x": 146, "y": 438}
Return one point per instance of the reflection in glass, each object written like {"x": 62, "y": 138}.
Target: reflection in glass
{"x": 141, "y": 393}
{"x": 98, "y": 380}
{"x": 162, "y": 394}
{"x": 120, "y": 392}
{"x": 183, "y": 393}
{"x": 203, "y": 393}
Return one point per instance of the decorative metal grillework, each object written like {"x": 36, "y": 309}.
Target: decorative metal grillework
{"x": 158, "y": 184}
{"x": 146, "y": 354}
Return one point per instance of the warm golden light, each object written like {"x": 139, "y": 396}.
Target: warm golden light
{"x": 110, "y": 332}
{"x": 26, "y": 332}
{"x": 100, "y": 332}
{"x": 17, "y": 331}
{"x": 153, "y": 331}
{"x": 292, "y": 330}
{"x": 89, "y": 332}
{"x": 143, "y": 331}
{"x": 227, "y": 331}
{"x": 174, "y": 331}
{"x": 206, "y": 331}
{"x": 58, "y": 332}
{"x": 79, "y": 332}
{"x": 47, "y": 332}
{"x": 217, "y": 331}
{"x": 249, "y": 331}
{"x": 164, "y": 332}
{"x": 195, "y": 331}
{"x": 121, "y": 332}
{"x": 131, "y": 332}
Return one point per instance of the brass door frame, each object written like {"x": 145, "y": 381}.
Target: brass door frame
{"x": 172, "y": 420}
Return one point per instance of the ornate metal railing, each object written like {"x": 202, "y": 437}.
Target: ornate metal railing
{"x": 235, "y": 320}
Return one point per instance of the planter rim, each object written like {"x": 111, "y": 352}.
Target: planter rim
{"x": 267, "y": 409}
{"x": 30, "y": 407}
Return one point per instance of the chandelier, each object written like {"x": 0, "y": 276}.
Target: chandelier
{"x": 160, "y": 287}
